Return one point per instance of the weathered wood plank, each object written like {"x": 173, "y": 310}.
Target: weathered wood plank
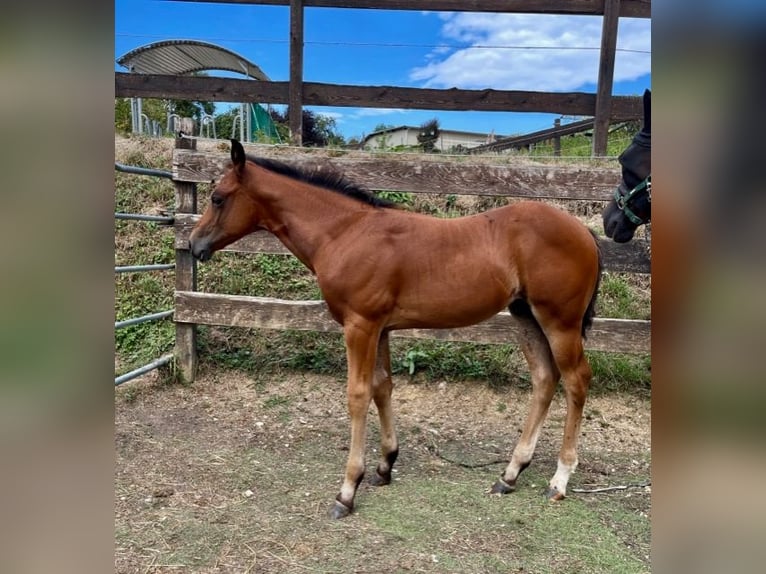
{"x": 559, "y": 181}
{"x": 625, "y": 107}
{"x": 613, "y": 335}
{"x": 630, "y": 8}
{"x": 186, "y": 276}
{"x": 630, "y": 257}
{"x": 519, "y": 141}
{"x": 215, "y": 89}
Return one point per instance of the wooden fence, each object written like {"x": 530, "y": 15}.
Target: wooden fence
{"x": 393, "y": 173}
{"x": 401, "y": 174}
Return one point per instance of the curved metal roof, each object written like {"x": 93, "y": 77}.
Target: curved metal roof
{"x": 181, "y": 57}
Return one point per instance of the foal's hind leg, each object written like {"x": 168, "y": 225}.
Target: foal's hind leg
{"x": 381, "y": 394}
{"x": 567, "y": 347}
{"x": 545, "y": 376}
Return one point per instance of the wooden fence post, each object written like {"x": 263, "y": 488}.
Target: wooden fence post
{"x": 296, "y": 73}
{"x": 605, "y": 77}
{"x": 186, "y": 275}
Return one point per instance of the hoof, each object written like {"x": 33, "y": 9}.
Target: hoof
{"x": 339, "y": 510}
{"x": 554, "y": 494}
{"x": 378, "y": 479}
{"x": 502, "y": 487}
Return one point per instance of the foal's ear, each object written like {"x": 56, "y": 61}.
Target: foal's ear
{"x": 238, "y": 156}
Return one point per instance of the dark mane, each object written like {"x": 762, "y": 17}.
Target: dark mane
{"x": 332, "y": 180}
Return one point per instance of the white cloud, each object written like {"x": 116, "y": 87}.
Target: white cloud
{"x": 546, "y": 69}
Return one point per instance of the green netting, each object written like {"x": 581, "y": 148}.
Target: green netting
{"x": 262, "y": 124}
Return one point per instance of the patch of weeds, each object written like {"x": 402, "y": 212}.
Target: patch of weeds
{"x": 620, "y": 372}
{"x": 398, "y": 197}
{"x": 130, "y": 393}
{"x": 411, "y": 359}
{"x": 138, "y": 295}
{"x": 436, "y": 360}
{"x": 276, "y": 401}
{"x": 259, "y": 352}
{"x": 262, "y": 275}
{"x": 619, "y": 299}
{"x": 320, "y": 353}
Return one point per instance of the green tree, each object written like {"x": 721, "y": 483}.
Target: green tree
{"x": 191, "y": 109}
{"x": 428, "y": 135}
{"x": 224, "y": 122}
{"x": 318, "y": 130}
{"x": 122, "y": 121}
{"x": 154, "y": 109}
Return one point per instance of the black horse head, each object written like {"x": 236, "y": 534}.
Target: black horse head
{"x": 631, "y": 204}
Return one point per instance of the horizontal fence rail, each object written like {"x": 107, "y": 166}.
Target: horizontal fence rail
{"x": 628, "y": 8}
{"x": 166, "y": 219}
{"x": 143, "y": 170}
{"x": 535, "y": 137}
{"x": 164, "y": 360}
{"x": 141, "y": 268}
{"x": 631, "y": 257}
{"x": 143, "y": 319}
{"x": 215, "y": 89}
{"x": 629, "y": 336}
{"x": 427, "y": 175}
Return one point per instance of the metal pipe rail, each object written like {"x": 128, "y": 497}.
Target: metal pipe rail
{"x": 164, "y": 360}
{"x": 143, "y": 170}
{"x": 140, "y": 268}
{"x": 164, "y": 219}
{"x": 143, "y": 319}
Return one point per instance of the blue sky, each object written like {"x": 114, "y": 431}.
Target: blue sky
{"x": 406, "y": 48}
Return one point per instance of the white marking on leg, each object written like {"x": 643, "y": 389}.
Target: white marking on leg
{"x": 561, "y": 478}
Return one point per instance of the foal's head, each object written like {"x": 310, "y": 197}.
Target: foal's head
{"x": 631, "y": 205}
{"x": 231, "y": 214}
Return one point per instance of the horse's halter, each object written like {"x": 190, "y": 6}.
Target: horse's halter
{"x": 625, "y": 197}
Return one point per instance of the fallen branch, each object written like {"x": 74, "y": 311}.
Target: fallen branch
{"x": 431, "y": 448}
{"x": 611, "y": 488}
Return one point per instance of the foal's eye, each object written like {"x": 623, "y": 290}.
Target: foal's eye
{"x": 216, "y": 200}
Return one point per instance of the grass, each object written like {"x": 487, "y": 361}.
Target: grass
{"x": 519, "y": 531}
{"x": 264, "y": 352}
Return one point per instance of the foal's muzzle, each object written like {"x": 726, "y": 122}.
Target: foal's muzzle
{"x": 200, "y": 250}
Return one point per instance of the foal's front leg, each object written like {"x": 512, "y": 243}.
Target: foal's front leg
{"x": 361, "y": 346}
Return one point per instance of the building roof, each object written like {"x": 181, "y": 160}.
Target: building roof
{"x": 182, "y": 57}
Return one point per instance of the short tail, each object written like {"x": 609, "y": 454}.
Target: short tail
{"x": 590, "y": 311}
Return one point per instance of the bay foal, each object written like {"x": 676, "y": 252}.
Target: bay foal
{"x": 380, "y": 269}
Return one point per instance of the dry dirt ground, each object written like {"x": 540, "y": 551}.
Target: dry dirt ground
{"x": 232, "y": 474}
